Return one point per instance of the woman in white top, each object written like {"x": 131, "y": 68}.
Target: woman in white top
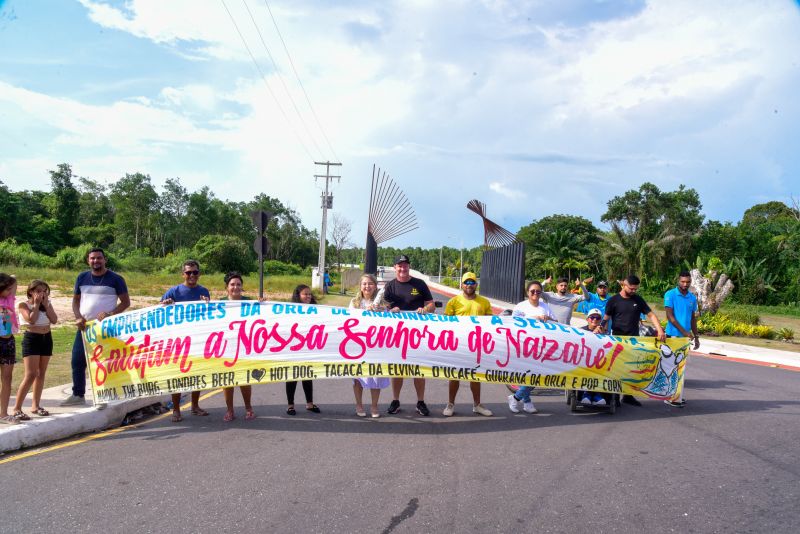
{"x": 37, "y": 314}
{"x": 368, "y": 299}
{"x": 534, "y": 308}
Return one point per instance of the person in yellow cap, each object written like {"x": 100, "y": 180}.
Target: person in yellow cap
{"x": 466, "y": 304}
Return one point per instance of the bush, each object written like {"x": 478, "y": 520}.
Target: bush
{"x": 22, "y": 255}
{"x": 140, "y": 262}
{"x": 722, "y": 324}
{"x": 223, "y": 253}
{"x": 786, "y": 334}
{"x": 277, "y": 268}
{"x": 743, "y": 315}
{"x": 74, "y": 258}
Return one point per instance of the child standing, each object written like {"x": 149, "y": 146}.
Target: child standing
{"x": 37, "y": 346}
{"x": 8, "y": 347}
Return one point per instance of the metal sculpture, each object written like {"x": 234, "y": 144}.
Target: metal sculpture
{"x": 502, "y": 261}
{"x": 390, "y": 215}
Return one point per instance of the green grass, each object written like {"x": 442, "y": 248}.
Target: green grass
{"x": 59, "y": 371}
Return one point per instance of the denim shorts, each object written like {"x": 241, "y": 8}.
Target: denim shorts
{"x": 8, "y": 350}
{"x": 37, "y": 344}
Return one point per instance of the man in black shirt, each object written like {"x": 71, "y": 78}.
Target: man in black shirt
{"x": 406, "y": 293}
{"x": 624, "y": 311}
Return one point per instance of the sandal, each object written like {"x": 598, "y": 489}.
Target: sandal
{"x": 291, "y": 411}
{"x": 21, "y": 416}
{"x": 229, "y": 416}
{"x": 314, "y": 408}
{"x": 41, "y": 412}
{"x": 199, "y": 411}
{"x": 176, "y": 416}
{"x": 249, "y": 415}
{"x": 8, "y": 420}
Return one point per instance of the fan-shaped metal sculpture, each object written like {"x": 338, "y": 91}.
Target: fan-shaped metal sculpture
{"x": 494, "y": 235}
{"x": 390, "y": 215}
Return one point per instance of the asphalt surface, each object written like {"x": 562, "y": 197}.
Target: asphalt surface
{"x": 727, "y": 462}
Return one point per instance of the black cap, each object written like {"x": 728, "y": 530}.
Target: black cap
{"x": 401, "y": 258}
{"x": 602, "y": 283}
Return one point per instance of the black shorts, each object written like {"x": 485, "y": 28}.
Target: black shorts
{"x": 8, "y": 350}
{"x": 37, "y": 344}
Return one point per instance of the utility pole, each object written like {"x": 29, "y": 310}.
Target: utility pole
{"x": 327, "y": 203}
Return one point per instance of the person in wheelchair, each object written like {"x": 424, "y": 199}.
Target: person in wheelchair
{"x": 594, "y": 398}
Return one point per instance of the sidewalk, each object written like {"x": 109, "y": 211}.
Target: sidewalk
{"x": 64, "y": 422}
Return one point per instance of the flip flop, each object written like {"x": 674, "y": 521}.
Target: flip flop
{"x": 291, "y": 411}
{"x": 314, "y": 408}
{"x": 249, "y": 415}
{"x": 177, "y": 417}
{"x": 41, "y": 412}
{"x": 199, "y": 411}
{"x": 8, "y": 420}
{"x": 229, "y": 416}
{"x": 21, "y": 416}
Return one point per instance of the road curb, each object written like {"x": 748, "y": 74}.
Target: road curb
{"x": 41, "y": 430}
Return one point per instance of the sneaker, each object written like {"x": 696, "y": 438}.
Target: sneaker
{"x": 448, "y": 410}
{"x": 675, "y": 404}
{"x": 422, "y": 408}
{"x": 513, "y": 404}
{"x": 586, "y": 399}
{"x": 631, "y": 400}
{"x": 73, "y": 400}
{"x": 394, "y": 407}
{"x": 479, "y": 409}
{"x": 529, "y": 407}
{"x": 598, "y": 400}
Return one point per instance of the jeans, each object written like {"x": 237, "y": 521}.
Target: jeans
{"x": 523, "y": 393}
{"x": 78, "y": 366}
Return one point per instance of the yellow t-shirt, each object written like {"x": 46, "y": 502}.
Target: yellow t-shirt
{"x": 460, "y": 305}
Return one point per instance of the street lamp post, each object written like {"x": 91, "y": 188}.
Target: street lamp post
{"x": 440, "y": 263}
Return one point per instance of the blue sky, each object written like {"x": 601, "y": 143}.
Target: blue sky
{"x": 534, "y": 108}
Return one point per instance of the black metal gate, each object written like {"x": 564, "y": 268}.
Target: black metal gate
{"x": 503, "y": 273}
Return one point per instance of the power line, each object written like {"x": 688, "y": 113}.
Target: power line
{"x": 264, "y": 79}
{"x": 280, "y": 77}
{"x": 308, "y": 100}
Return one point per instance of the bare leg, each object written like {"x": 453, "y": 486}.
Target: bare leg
{"x": 5, "y": 387}
{"x": 247, "y": 395}
{"x": 31, "y": 370}
{"x": 475, "y": 388}
{"x": 358, "y": 391}
{"x": 38, "y": 384}
{"x": 228, "y": 392}
{"x": 452, "y": 389}
{"x": 419, "y": 385}
{"x": 376, "y": 395}
{"x": 397, "y": 385}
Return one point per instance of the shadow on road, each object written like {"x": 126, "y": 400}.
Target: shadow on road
{"x": 339, "y": 419}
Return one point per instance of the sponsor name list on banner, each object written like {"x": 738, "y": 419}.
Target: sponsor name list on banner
{"x": 207, "y": 345}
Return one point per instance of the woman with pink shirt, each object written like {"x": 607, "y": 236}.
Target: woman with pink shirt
{"x": 8, "y": 347}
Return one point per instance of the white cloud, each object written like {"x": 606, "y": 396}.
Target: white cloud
{"x": 503, "y": 190}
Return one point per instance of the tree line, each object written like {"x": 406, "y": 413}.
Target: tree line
{"x": 652, "y": 233}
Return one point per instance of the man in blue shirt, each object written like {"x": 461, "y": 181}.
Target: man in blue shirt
{"x": 190, "y": 290}
{"x": 682, "y": 311}
{"x": 595, "y": 300}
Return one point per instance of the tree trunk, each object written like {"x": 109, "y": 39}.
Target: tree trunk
{"x": 708, "y": 300}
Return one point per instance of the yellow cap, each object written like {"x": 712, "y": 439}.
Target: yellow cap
{"x": 468, "y": 276}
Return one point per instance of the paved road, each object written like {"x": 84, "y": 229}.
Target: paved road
{"x": 727, "y": 462}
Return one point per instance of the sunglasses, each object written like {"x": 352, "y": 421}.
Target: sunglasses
{"x": 470, "y": 283}
{"x": 535, "y": 291}
{"x": 594, "y": 318}
{"x": 191, "y": 273}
